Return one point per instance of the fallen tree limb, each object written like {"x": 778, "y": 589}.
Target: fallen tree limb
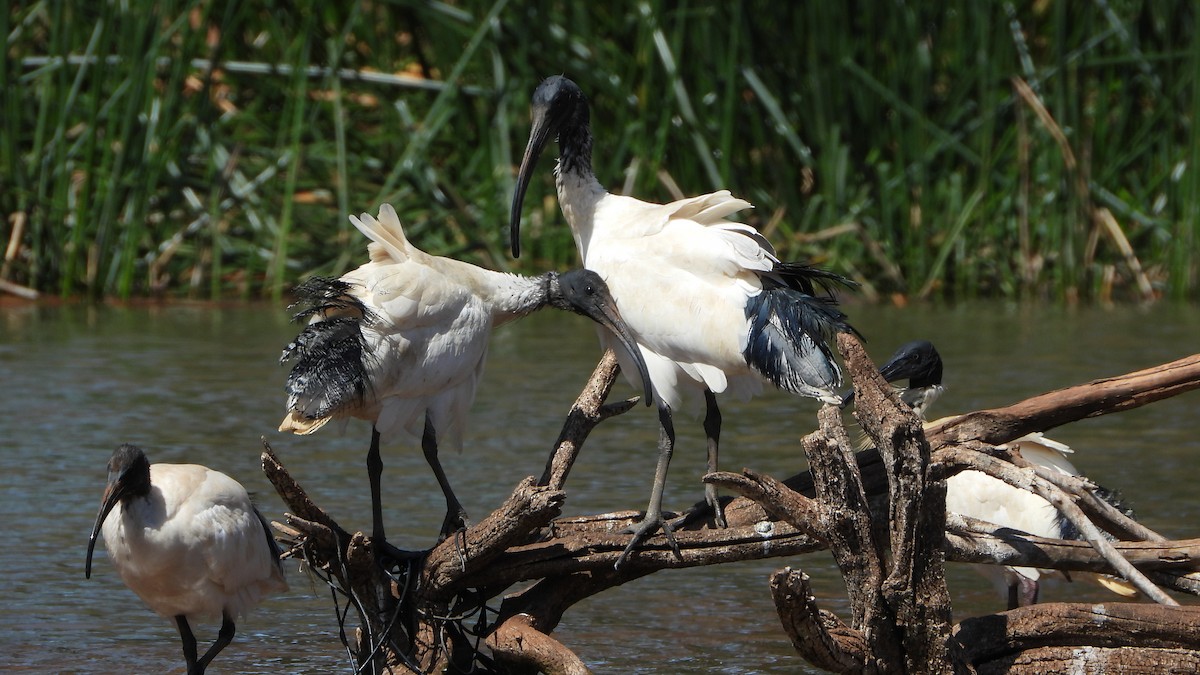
{"x": 886, "y": 532}
{"x": 1055, "y": 408}
{"x": 996, "y": 636}
{"x": 818, "y": 635}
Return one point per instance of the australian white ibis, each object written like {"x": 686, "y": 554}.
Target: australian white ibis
{"x": 712, "y": 308}
{"x": 188, "y": 542}
{"x": 401, "y": 342}
{"x": 978, "y": 495}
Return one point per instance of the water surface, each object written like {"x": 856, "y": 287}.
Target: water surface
{"x": 202, "y": 384}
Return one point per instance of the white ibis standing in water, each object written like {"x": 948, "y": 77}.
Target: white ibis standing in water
{"x": 188, "y": 542}
{"x": 711, "y": 306}
{"x": 401, "y": 342}
{"x": 978, "y": 495}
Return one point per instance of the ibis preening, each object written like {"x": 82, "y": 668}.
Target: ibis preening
{"x": 978, "y": 495}
{"x": 401, "y": 342}
{"x": 712, "y": 308}
{"x": 188, "y": 542}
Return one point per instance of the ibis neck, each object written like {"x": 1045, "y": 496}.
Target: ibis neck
{"x": 578, "y": 189}
{"x": 511, "y": 296}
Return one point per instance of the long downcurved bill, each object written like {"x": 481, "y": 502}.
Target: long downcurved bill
{"x": 112, "y": 495}
{"x": 539, "y": 134}
{"x": 606, "y": 314}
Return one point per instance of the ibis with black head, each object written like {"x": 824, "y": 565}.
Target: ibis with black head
{"x": 712, "y": 308}
{"x": 978, "y": 495}
{"x": 401, "y": 342}
{"x": 189, "y": 542}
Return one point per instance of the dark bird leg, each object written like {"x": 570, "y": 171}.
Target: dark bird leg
{"x": 224, "y": 637}
{"x": 712, "y": 430}
{"x": 189, "y": 643}
{"x": 456, "y": 516}
{"x": 653, "y": 519}
{"x": 374, "y": 472}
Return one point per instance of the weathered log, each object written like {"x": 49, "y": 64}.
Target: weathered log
{"x": 915, "y": 588}
{"x": 412, "y": 618}
{"x": 996, "y": 638}
{"x": 521, "y": 643}
{"x": 1055, "y": 408}
{"x": 818, "y": 635}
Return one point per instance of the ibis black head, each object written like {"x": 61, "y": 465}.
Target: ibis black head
{"x": 128, "y": 477}
{"x": 559, "y": 110}
{"x": 916, "y": 361}
{"x": 583, "y": 291}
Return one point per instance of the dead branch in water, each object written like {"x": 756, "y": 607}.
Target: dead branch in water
{"x": 882, "y": 515}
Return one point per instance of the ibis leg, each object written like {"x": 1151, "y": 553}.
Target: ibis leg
{"x": 374, "y": 472}
{"x": 712, "y": 430}
{"x": 224, "y": 637}
{"x": 189, "y": 643}
{"x": 456, "y": 516}
{"x": 653, "y": 519}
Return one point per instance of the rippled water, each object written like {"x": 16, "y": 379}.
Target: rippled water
{"x": 201, "y": 384}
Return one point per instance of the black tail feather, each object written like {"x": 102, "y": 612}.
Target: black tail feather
{"x": 331, "y": 355}
{"x": 808, "y": 279}
{"x": 790, "y": 332}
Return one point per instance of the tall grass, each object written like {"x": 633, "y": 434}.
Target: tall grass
{"x": 931, "y": 150}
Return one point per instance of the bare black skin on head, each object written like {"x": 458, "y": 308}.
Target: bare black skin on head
{"x": 916, "y": 361}
{"x": 559, "y": 110}
{"x": 582, "y": 291}
{"x": 128, "y": 478}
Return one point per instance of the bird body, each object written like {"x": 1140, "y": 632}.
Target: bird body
{"x": 194, "y": 546}
{"x": 712, "y": 307}
{"x": 979, "y": 495}
{"x": 188, "y": 541}
{"x": 402, "y": 340}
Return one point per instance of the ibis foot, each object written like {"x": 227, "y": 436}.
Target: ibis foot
{"x": 714, "y": 503}
{"x": 388, "y": 555}
{"x": 640, "y": 531}
{"x": 456, "y": 523}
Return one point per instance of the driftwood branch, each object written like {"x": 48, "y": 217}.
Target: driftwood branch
{"x": 882, "y": 517}
{"x": 1052, "y": 409}
{"x": 818, "y": 635}
{"x": 998, "y": 640}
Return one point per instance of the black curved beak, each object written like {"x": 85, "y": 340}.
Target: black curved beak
{"x": 540, "y": 134}
{"x": 901, "y": 367}
{"x": 602, "y": 309}
{"x": 112, "y": 495}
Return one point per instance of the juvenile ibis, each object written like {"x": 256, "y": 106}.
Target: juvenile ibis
{"x": 712, "y": 308}
{"x": 978, "y": 495}
{"x": 401, "y": 342}
{"x": 188, "y": 541}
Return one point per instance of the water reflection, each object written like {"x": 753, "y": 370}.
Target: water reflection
{"x": 202, "y": 384}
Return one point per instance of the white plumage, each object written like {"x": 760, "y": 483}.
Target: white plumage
{"x": 402, "y": 340}
{"x": 712, "y": 307}
{"x": 189, "y": 542}
{"x": 978, "y": 495}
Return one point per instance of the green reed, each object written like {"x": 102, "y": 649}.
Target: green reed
{"x": 930, "y": 150}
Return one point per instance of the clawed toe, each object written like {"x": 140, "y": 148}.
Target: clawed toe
{"x": 640, "y": 531}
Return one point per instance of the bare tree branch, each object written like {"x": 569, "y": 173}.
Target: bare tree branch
{"x": 1098, "y": 397}
{"x": 818, "y": 635}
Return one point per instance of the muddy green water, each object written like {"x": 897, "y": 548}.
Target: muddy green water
{"x": 202, "y": 384}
